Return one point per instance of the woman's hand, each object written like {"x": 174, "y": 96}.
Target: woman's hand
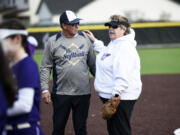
{"x": 90, "y": 35}
{"x": 117, "y": 99}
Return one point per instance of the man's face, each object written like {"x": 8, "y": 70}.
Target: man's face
{"x": 71, "y": 29}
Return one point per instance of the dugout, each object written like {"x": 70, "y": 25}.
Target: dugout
{"x": 153, "y": 34}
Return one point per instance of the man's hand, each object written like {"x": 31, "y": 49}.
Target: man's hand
{"x": 46, "y": 96}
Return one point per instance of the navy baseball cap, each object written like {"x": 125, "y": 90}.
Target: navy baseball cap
{"x": 116, "y": 22}
{"x": 68, "y": 17}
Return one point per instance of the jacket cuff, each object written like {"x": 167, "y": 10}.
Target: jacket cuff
{"x": 43, "y": 91}
{"x": 116, "y": 92}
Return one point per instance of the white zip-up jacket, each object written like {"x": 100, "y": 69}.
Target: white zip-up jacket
{"x": 118, "y": 68}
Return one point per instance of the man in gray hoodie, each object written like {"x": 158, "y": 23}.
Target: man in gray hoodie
{"x": 68, "y": 54}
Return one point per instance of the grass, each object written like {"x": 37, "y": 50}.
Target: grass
{"x": 160, "y": 61}
{"x": 153, "y": 61}
{"x": 38, "y": 58}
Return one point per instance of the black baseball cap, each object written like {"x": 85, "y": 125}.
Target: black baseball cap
{"x": 68, "y": 17}
{"x": 116, "y": 22}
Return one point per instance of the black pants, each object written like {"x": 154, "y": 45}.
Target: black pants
{"x": 119, "y": 124}
{"x": 62, "y": 105}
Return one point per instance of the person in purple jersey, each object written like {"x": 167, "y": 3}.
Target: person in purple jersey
{"x": 7, "y": 89}
{"x": 3, "y": 108}
{"x": 24, "y": 116}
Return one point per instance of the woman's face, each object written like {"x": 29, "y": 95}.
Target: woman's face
{"x": 11, "y": 45}
{"x": 116, "y": 32}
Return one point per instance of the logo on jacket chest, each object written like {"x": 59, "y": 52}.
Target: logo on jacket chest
{"x": 73, "y": 53}
{"x": 105, "y": 55}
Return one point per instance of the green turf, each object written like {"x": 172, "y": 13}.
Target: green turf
{"x": 38, "y": 57}
{"x": 153, "y": 61}
{"x": 160, "y": 61}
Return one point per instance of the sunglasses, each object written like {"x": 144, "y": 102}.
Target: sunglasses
{"x": 74, "y": 24}
{"x": 113, "y": 26}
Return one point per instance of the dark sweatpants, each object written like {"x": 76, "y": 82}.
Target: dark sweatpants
{"x": 119, "y": 124}
{"x": 62, "y": 105}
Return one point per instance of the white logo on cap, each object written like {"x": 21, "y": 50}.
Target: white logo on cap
{"x": 70, "y": 15}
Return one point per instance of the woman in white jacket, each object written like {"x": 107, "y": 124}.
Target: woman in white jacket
{"x": 118, "y": 72}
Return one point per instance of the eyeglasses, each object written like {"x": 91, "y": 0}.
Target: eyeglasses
{"x": 113, "y": 26}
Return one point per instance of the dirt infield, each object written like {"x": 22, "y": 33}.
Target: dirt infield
{"x": 157, "y": 112}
